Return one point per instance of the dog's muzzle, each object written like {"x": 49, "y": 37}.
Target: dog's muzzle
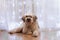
{"x": 28, "y": 19}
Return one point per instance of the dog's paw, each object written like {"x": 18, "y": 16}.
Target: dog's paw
{"x": 29, "y": 33}
{"x": 35, "y": 34}
{"x": 10, "y": 32}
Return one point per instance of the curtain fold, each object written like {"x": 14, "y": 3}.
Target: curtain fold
{"x": 47, "y": 11}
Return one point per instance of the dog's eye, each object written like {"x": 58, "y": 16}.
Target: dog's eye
{"x": 29, "y": 16}
{"x": 26, "y": 16}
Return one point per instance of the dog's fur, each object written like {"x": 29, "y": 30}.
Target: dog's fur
{"x": 30, "y": 26}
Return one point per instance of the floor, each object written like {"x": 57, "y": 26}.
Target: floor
{"x": 18, "y": 36}
{"x": 4, "y": 35}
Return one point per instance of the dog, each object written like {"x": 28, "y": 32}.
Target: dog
{"x": 29, "y": 26}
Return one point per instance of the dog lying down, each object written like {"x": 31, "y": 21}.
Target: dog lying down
{"x": 29, "y": 26}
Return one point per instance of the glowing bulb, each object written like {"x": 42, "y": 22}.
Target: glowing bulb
{"x": 13, "y": 4}
{"x": 24, "y": 2}
{"x": 58, "y": 33}
{"x": 58, "y": 25}
{"x": 37, "y": 3}
{"x": 13, "y": 12}
{"x": 19, "y": 17}
{"x": 19, "y": 10}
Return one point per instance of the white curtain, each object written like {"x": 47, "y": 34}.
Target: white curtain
{"x": 47, "y": 11}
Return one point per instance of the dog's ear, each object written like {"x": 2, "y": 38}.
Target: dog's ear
{"x": 23, "y": 18}
{"x": 35, "y": 18}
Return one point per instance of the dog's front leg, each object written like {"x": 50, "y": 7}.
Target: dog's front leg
{"x": 24, "y": 30}
{"x": 16, "y": 30}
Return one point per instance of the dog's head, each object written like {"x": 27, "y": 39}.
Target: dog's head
{"x": 29, "y": 18}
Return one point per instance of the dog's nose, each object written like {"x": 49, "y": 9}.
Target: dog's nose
{"x": 28, "y": 19}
